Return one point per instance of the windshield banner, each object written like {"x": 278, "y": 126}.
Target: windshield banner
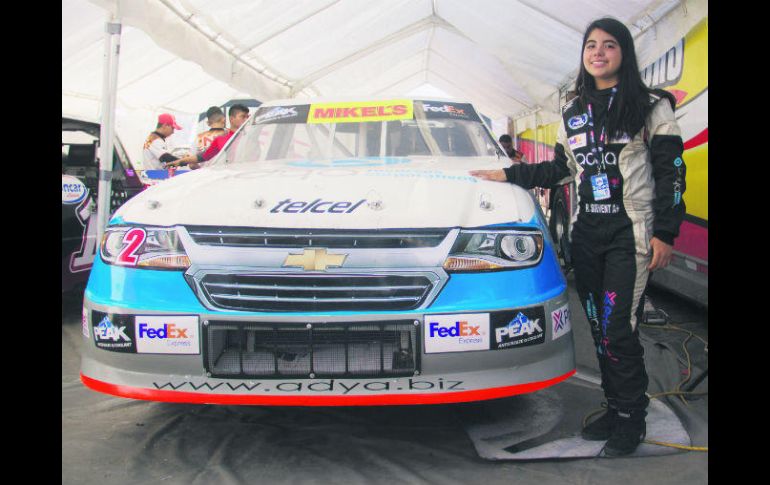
{"x": 281, "y": 114}
{"x": 394, "y": 109}
{"x": 447, "y": 110}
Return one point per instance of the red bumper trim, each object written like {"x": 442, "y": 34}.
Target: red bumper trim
{"x": 262, "y": 400}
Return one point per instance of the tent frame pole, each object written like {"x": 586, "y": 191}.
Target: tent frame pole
{"x": 107, "y": 123}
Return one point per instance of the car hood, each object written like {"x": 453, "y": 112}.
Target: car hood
{"x": 363, "y": 193}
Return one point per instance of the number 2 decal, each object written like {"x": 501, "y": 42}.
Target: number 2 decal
{"x": 133, "y": 240}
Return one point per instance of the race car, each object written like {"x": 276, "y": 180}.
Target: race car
{"x": 80, "y": 187}
{"x": 335, "y": 253}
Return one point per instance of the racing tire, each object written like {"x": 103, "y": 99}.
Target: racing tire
{"x": 559, "y": 227}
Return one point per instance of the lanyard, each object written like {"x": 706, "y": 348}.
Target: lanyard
{"x": 597, "y": 146}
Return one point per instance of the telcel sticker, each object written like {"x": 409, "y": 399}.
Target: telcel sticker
{"x": 73, "y": 191}
{"x": 396, "y": 109}
{"x": 456, "y": 333}
{"x": 560, "y": 322}
{"x": 167, "y": 334}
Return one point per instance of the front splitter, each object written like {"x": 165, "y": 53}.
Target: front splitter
{"x": 306, "y": 400}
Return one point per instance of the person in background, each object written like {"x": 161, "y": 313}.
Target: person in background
{"x": 155, "y": 152}
{"x": 621, "y": 142}
{"x": 238, "y": 116}
{"x": 215, "y": 119}
{"x": 507, "y": 142}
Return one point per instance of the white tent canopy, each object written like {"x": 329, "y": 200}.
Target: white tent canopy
{"x": 510, "y": 58}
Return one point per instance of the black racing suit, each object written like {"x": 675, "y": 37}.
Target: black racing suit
{"x": 611, "y": 237}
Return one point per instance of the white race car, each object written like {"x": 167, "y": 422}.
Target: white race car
{"x": 334, "y": 253}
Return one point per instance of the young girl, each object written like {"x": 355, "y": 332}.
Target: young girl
{"x": 621, "y": 143}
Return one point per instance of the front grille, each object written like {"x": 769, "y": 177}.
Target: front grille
{"x": 301, "y": 292}
{"x": 303, "y": 238}
{"x": 383, "y": 349}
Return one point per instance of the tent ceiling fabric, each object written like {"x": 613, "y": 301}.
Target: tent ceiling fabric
{"x": 509, "y": 58}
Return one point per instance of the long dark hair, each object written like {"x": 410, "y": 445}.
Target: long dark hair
{"x": 632, "y": 102}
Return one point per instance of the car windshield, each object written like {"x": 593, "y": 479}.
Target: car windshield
{"x": 396, "y": 128}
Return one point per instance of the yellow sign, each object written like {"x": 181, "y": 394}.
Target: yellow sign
{"x": 314, "y": 259}
{"x": 359, "y": 112}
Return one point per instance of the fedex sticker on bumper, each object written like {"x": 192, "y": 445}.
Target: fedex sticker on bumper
{"x": 456, "y": 333}
{"x": 167, "y": 334}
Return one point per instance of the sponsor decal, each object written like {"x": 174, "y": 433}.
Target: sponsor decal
{"x": 113, "y": 332}
{"x": 73, "y": 191}
{"x": 444, "y": 110}
{"x": 578, "y": 121}
{"x": 318, "y": 206}
{"x": 314, "y": 260}
{"x": 428, "y": 174}
{"x": 609, "y": 306}
{"x": 281, "y": 114}
{"x": 456, "y": 333}
{"x": 593, "y": 315}
{"x": 560, "y": 320}
{"x": 167, "y": 334}
{"x": 132, "y": 242}
{"x": 625, "y": 138}
{"x": 601, "y": 208}
{"x": 331, "y": 386}
{"x": 359, "y": 112}
{"x": 667, "y": 70}
{"x": 526, "y": 327}
{"x": 590, "y": 159}
{"x": 614, "y": 182}
{"x": 352, "y": 162}
{"x": 577, "y": 141}
{"x": 83, "y": 259}
{"x": 678, "y": 162}
{"x": 86, "y": 327}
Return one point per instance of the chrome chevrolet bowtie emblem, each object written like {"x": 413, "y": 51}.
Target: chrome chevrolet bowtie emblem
{"x": 314, "y": 259}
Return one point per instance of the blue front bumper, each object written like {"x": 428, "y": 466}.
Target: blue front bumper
{"x": 168, "y": 291}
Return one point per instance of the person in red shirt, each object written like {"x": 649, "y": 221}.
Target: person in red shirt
{"x": 215, "y": 118}
{"x": 238, "y": 116}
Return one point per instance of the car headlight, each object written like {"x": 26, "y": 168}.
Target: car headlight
{"x": 144, "y": 247}
{"x": 480, "y": 250}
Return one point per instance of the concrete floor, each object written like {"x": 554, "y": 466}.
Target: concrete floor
{"x": 114, "y": 440}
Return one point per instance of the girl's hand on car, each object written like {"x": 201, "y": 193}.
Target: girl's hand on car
{"x": 493, "y": 175}
{"x": 661, "y": 254}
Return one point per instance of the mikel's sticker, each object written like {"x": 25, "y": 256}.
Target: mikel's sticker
{"x": 456, "y": 333}
{"x": 167, "y": 334}
{"x": 73, "y": 191}
{"x": 359, "y": 112}
{"x": 113, "y": 332}
{"x": 518, "y": 328}
{"x": 560, "y": 322}
{"x": 577, "y": 141}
